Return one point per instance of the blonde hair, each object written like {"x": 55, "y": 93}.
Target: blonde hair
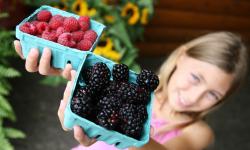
{"x": 223, "y": 49}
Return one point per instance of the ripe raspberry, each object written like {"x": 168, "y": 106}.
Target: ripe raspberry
{"x": 28, "y": 28}
{"x": 49, "y": 35}
{"x": 42, "y": 26}
{"x": 60, "y": 30}
{"x": 78, "y": 35}
{"x": 71, "y": 24}
{"x": 84, "y": 22}
{"x": 35, "y": 22}
{"x": 66, "y": 40}
{"x": 84, "y": 45}
{"x": 90, "y": 35}
{"x": 44, "y": 15}
{"x": 56, "y": 21}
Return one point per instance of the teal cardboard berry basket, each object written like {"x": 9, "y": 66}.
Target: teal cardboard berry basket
{"x": 61, "y": 55}
{"x": 93, "y": 130}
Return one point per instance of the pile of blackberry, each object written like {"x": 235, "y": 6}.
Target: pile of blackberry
{"x": 115, "y": 104}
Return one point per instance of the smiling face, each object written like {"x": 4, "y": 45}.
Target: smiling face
{"x": 196, "y": 85}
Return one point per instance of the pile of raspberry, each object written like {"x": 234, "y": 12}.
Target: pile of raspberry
{"x": 67, "y": 31}
{"x": 116, "y": 104}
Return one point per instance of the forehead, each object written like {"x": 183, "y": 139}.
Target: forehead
{"x": 215, "y": 77}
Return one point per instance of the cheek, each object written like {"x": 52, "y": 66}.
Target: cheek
{"x": 180, "y": 81}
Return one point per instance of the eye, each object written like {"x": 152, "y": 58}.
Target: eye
{"x": 194, "y": 78}
{"x": 213, "y": 96}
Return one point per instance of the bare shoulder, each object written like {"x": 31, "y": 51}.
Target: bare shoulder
{"x": 200, "y": 133}
{"x": 196, "y": 136}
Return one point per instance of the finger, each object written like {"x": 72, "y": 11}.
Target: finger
{"x": 67, "y": 91}
{"x": 32, "y": 60}
{"x": 73, "y": 74}
{"x": 45, "y": 65}
{"x": 81, "y": 137}
{"x": 18, "y": 48}
{"x": 66, "y": 72}
{"x": 60, "y": 113}
{"x": 63, "y": 104}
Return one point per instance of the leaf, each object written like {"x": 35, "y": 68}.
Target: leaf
{"x": 8, "y": 72}
{"x": 53, "y": 81}
{"x": 5, "y": 144}
{"x": 135, "y": 67}
{"x": 3, "y": 90}
{"x": 13, "y": 133}
{"x": 129, "y": 58}
{"x": 3, "y": 113}
{"x": 4, "y": 104}
{"x": 4, "y": 82}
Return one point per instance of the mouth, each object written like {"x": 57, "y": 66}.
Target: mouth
{"x": 181, "y": 101}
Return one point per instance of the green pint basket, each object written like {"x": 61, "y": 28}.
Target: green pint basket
{"x": 93, "y": 130}
{"x": 61, "y": 55}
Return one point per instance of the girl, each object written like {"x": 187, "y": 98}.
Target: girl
{"x": 195, "y": 79}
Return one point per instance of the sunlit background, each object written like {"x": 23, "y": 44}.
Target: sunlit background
{"x": 141, "y": 34}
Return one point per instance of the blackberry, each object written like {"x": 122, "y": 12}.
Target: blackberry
{"x": 86, "y": 74}
{"x": 81, "y": 104}
{"x": 143, "y": 114}
{"x": 133, "y": 118}
{"x": 127, "y": 92}
{"x": 89, "y": 90}
{"x": 120, "y": 73}
{"x": 111, "y": 89}
{"x": 100, "y": 76}
{"x": 148, "y": 79}
{"x": 127, "y": 112}
{"x": 143, "y": 95}
{"x": 108, "y": 118}
{"x": 133, "y": 128}
{"x": 107, "y": 102}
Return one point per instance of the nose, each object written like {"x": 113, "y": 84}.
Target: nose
{"x": 194, "y": 96}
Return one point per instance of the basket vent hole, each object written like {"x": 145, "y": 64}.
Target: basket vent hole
{"x": 117, "y": 143}
{"x": 68, "y": 62}
{"x": 97, "y": 136}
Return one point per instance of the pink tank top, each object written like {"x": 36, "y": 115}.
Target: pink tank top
{"x": 155, "y": 123}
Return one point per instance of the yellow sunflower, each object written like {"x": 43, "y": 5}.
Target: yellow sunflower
{"x": 109, "y": 18}
{"x": 132, "y": 11}
{"x": 107, "y": 51}
{"x": 80, "y": 7}
{"x": 144, "y": 17}
{"x": 62, "y": 5}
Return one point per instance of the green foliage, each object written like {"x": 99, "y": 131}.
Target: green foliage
{"x": 53, "y": 81}
{"x": 6, "y": 72}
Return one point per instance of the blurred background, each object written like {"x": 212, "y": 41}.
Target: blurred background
{"x": 141, "y": 34}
